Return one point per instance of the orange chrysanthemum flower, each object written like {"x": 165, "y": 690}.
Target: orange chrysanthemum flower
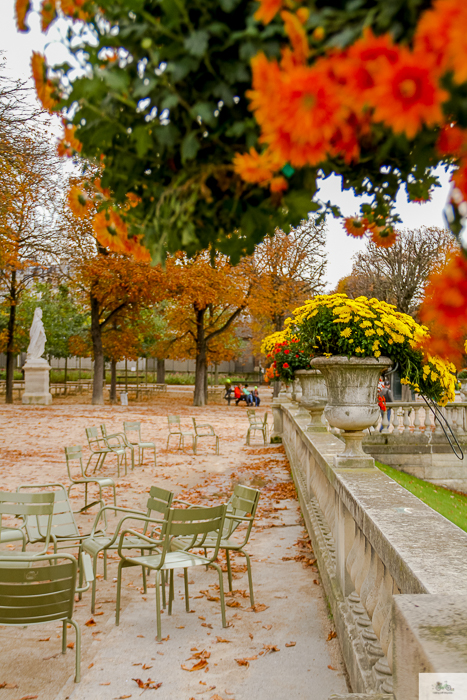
{"x": 22, "y": 8}
{"x": 73, "y": 9}
{"x": 69, "y": 144}
{"x": 267, "y": 10}
{"x": 48, "y": 13}
{"x": 458, "y": 45}
{"x": 433, "y": 33}
{"x": 79, "y": 202}
{"x": 452, "y": 140}
{"x": 355, "y": 227}
{"x": 407, "y": 95}
{"x": 383, "y": 236}
{"x": 278, "y": 184}
{"x": 44, "y": 87}
{"x": 459, "y": 178}
{"x": 444, "y": 309}
{"x": 257, "y": 168}
{"x": 296, "y": 33}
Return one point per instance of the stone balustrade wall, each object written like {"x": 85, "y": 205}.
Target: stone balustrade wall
{"x": 375, "y": 543}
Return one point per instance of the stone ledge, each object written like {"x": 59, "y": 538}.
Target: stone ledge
{"x": 430, "y": 636}
{"x": 399, "y": 526}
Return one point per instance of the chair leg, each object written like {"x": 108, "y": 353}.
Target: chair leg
{"x": 86, "y": 494}
{"x": 195, "y": 445}
{"x": 155, "y": 460}
{"x": 217, "y": 445}
{"x": 77, "y": 651}
{"x": 187, "y": 595}
{"x": 80, "y": 595}
{"x": 158, "y": 606}
{"x": 250, "y": 578}
{"x": 119, "y": 588}
{"x": 93, "y": 590}
{"x": 145, "y": 586}
{"x": 221, "y": 592}
{"x": 229, "y": 569}
{"x": 105, "y": 565}
{"x": 164, "y": 601}
{"x": 64, "y": 623}
{"x": 171, "y": 590}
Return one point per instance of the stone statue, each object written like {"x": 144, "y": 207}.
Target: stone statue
{"x": 37, "y": 337}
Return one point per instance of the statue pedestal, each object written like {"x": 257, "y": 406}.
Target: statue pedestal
{"x": 36, "y": 378}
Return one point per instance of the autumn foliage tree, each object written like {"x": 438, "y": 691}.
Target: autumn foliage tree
{"x": 112, "y": 286}
{"x": 29, "y": 234}
{"x": 285, "y": 270}
{"x": 206, "y": 299}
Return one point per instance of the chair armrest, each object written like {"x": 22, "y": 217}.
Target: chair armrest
{"x": 242, "y": 518}
{"x": 103, "y": 510}
{"x": 88, "y": 572}
{"x": 179, "y": 500}
{"x": 138, "y": 535}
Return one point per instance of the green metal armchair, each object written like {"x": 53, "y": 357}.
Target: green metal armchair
{"x": 241, "y": 508}
{"x": 203, "y": 430}
{"x": 132, "y": 430}
{"x": 74, "y": 454}
{"x": 194, "y": 524}
{"x": 159, "y": 502}
{"x": 261, "y": 426}
{"x": 40, "y": 589}
{"x": 175, "y": 428}
{"x": 30, "y": 507}
{"x": 100, "y": 447}
{"x": 119, "y": 441}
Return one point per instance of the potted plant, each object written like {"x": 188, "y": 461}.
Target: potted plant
{"x": 353, "y": 341}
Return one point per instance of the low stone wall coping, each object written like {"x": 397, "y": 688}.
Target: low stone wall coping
{"x": 424, "y": 552}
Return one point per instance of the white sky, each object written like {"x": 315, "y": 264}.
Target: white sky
{"x": 17, "y": 50}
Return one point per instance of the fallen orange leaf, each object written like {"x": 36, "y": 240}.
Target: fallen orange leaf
{"x": 197, "y": 667}
{"x": 290, "y": 644}
{"x": 147, "y": 685}
{"x": 220, "y": 640}
{"x": 331, "y": 635}
{"x": 91, "y": 622}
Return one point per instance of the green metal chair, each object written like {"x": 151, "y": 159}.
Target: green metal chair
{"x": 119, "y": 441}
{"x": 199, "y": 427}
{"x": 41, "y": 589}
{"x": 100, "y": 447}
{"x": 64, "y": 530}
{"x": 175, "y": 428}
{"x": 196, "y": 524}
{"x": 132, "y": 430}
{"x": 74, "y": 453}
{"x": 159, "y": 502}
{"x": 262, "y": 426}
{"x": 241, "y": 508}
{"x": 30, "y": 507}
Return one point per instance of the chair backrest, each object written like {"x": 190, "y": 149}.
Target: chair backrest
{"x": 197, "y": 524}
{"x": 37, "y": 589}
{"x": 31, "y": 507}
{"x": 63, "y": 520}
{"x": 132, "y": 426}
{"x": 251, "y": 412}
{"x": 159, "y": 501}
{"x": 95, "y": 441}
{"x": 265, "y": 420}
{"x": 174, "y": 421}
{"x": 74, "y": 453}
{"x": 244, "y": 501}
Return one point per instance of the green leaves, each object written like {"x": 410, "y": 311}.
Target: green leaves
{"x": 190, "y": 146}
{"x": 197, "y": 43}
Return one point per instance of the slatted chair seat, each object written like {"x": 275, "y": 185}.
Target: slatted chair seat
{"x": 158, "y": 503}
{"x": 40, "y": 589}
{"x": 33, "y": 508}
{"x": 194, "y": 524}
{"x": 74, "y": 454}
{"x": 132, "y": 430}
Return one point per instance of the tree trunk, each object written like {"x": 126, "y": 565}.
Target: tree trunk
{"x": 200, "y": 397}
{"x": 216, "y": 374}
{"x": 113, "y": 381}
{"x": 96, "y": 333}
{"x": 66, "y": 371}
{"x": 160, "y": 371}
{"x": 10, "y": 358}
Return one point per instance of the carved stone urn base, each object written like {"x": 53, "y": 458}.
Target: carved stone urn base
{"x": 36, "y": 383}
{"x": 315, "y": 410}
{"x": 353, "y": 455}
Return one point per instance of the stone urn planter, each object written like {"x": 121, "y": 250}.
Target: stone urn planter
{"x": 352, "y": 384}
{"x": 314, "y": 397}
{"x": 463, "y": 391}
